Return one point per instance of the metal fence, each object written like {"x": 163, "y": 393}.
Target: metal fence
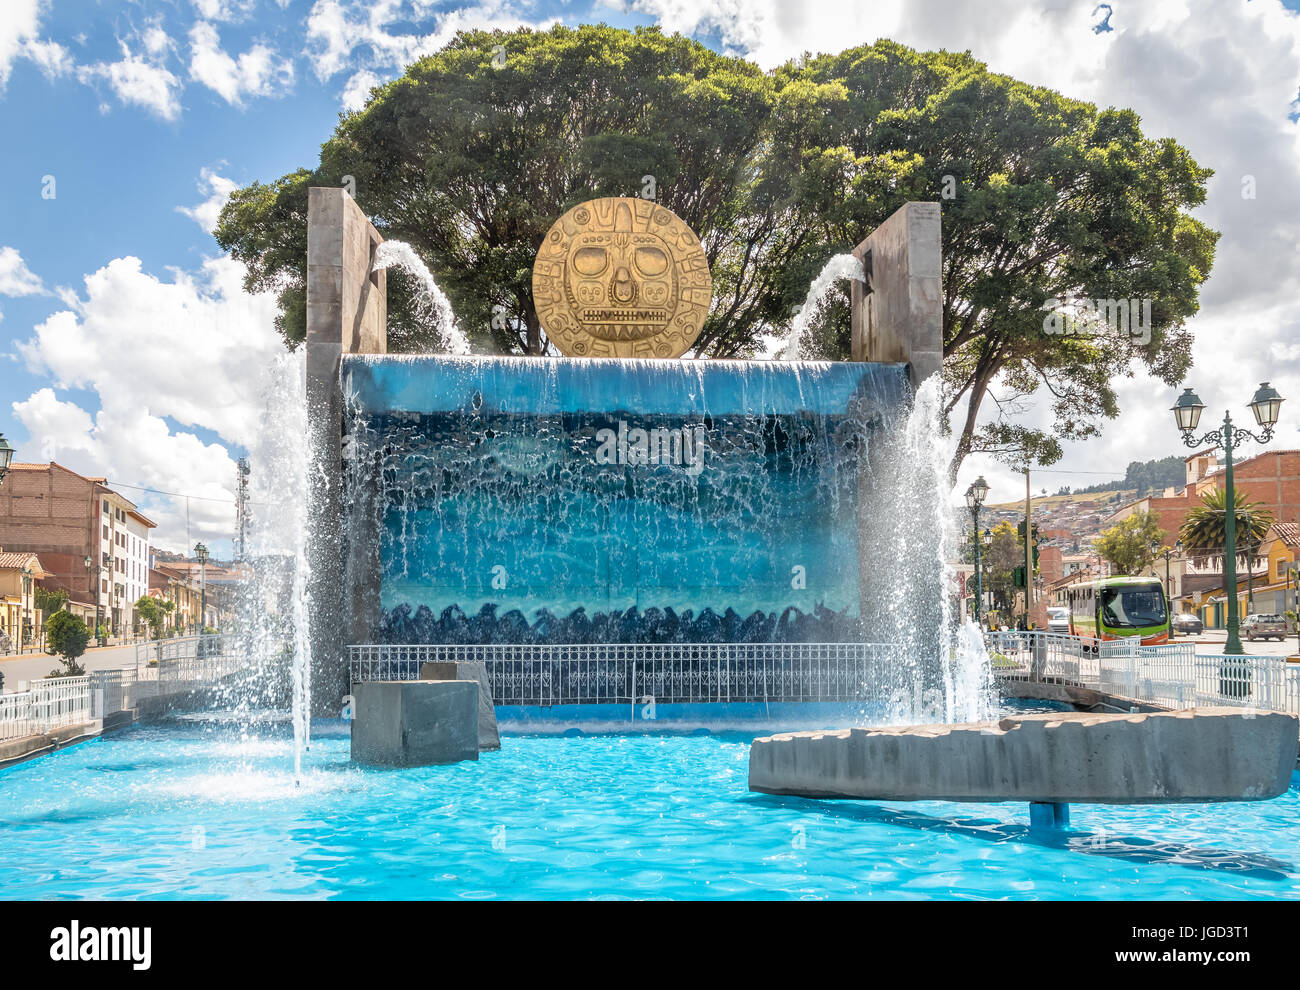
{"x": 45, "y": 706}
{"x": 157, "y": 652}
{"x": 163, "y": 668}
{"x": 581, "y": 674}
{"x": 1171, "y": 676}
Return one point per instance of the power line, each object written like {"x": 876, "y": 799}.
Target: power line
{"x": 159, "y": 491}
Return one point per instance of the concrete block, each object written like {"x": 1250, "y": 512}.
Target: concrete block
{"x": 901, "y": 319}
{"x": 414, "y": 723}
{"x": 1197, "y": 755}
{"x": 489, "y": 736}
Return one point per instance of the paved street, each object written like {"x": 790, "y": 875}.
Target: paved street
{"x": 33, "y": 666}
{"x": 1211, "y": 641}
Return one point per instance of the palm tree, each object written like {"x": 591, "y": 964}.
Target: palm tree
{"x": 1202, "y": 532}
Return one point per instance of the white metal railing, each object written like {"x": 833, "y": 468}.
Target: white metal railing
{"x": 46, "y": 705}
{"x": 1171, "y": 675}
{"x": 155, "y": 652}
{"x": 669, "y": 672}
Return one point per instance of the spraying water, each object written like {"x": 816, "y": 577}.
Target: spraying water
{"x": 432, "y": 298}
{"x": 274, "y": 625}
{"x": 840, "y": 267}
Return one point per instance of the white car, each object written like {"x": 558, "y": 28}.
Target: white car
{"x": 1058, "y": 620}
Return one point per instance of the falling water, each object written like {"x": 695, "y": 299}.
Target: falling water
{"x": 911, "y": 539}
{"x": 490, "y": 472}
{"x": 840, "y": 267}
{"x": 432, "y": 298}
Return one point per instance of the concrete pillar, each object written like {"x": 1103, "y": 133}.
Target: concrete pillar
{"x": 901, "y": 318}
{"x": 346, "y": 314}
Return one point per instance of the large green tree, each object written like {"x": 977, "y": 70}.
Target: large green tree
{"x": 477, "y": 149}
{"x": 1045, "y": 200}
{"x": 473, "y": 153}
{"x": 1131, "y": 544}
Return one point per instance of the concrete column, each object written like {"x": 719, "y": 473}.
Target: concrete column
{"x": 901, "y": 319}
{"x": 346, "y": 314}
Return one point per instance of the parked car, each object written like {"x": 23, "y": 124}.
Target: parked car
{"x": 1264, "y": 626}
{"x": 1058, "y": 620}
{"x": 1189, "y": 623}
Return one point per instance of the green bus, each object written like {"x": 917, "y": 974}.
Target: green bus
{"x": 1116, "y": 607}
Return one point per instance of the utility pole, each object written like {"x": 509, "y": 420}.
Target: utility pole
{"x": 241, "y": 505}
{"x": 1029, "y": 553}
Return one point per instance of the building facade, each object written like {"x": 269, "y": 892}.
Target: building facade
{"x": 20, "y": 621}
{"x": 66, "y": 517}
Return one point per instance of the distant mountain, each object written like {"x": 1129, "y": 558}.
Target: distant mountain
{"x": 1142, "y": 477}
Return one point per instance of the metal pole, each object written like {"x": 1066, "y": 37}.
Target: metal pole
{"x": 1250, "y": 564}
{"x": 979, "y": 573}
{"x": 1169, "y": 599}
{"x": 1233, "y": 644}
{"x": 1029, "y": 554}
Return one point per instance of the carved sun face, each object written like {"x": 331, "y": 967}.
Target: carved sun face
{"x": 621, "y": 285}
{"x": 621, "y": 277}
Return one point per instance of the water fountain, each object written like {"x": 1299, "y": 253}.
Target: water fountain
{"x": 589, "y": 502}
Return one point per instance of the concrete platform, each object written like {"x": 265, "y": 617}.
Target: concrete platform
{"x": 1196, "y": 755}
{"x": 414, "y": 723}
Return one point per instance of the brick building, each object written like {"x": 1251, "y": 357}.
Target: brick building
{"x": 66, "y": 517}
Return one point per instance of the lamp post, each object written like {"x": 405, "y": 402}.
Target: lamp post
{"x": 93, "y": 570}
{"x": 975, "y": 496}
{"x": 1266, "y": 405}
{"x": 987, "y": 540}
{"x": 6, "y": 456}
{"x": 201, "y": 552}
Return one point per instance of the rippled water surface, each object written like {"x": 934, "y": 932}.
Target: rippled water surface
{"x": 208, "y": 810}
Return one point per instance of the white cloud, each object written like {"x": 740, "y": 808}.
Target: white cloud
{"x": 224, "y": 10}
{"x": 19, "y": 38}
{"x": 140, "y": 81}
{"x": 49, "y": 56}
{"x": 257, "y": 72}
{"x": 16, "y": 279}
{"x": 205, "y": 214}
{"x": 357, "y": 91}
{"x": 17, "y": 27}
{"x": 195, "y": 351}
{"x": 366, "y": 37}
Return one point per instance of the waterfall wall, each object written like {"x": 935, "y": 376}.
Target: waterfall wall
{"x": 519, "y": 500}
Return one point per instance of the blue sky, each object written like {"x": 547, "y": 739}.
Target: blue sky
{"x": 141, "y": 109}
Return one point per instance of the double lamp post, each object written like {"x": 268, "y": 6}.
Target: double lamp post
{"x": 1266, "y": 405}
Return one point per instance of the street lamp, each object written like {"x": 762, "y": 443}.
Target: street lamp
{"x": 93, "y": 570}
{"x": 1266, "y": 404}
{"x": 201, "y": 552}
{"x": 975, "y": 496}
{"x": 6, "y": 456}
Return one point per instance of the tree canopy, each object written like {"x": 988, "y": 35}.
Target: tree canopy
{"x": 471, "y": 156}
{"x": 1132, "y": 543}
{"x": 66, "y": 637}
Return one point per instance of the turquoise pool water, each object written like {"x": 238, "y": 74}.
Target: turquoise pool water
{"x": 201, "y": 810}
